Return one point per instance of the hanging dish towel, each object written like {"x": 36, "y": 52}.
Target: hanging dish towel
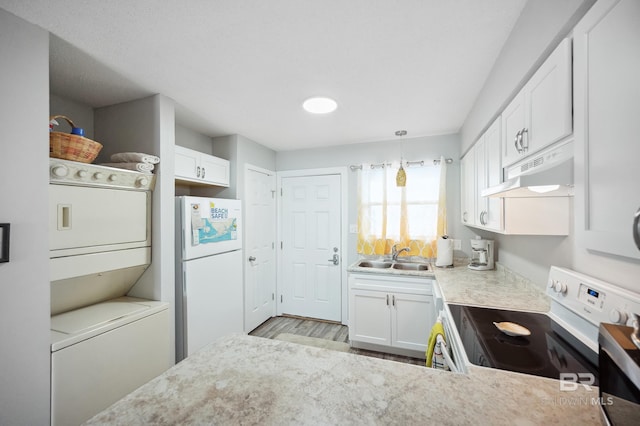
{"x": 435, "y": 359}
{"x": 138, "y": 167}
{"x": 134, "y": 157}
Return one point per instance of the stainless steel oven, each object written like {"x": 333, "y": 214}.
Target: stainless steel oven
{"x": 619, "y": 366}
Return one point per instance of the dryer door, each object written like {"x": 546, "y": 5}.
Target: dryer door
{"x": 87, "y": 220}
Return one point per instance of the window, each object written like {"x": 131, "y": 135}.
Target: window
{"x": 411, "y": 216}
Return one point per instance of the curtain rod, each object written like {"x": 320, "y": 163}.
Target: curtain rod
{"x": 408, "y": 163}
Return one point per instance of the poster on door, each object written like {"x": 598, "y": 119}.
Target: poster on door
{"x": 212, "y": 225}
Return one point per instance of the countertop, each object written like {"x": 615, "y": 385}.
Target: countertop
{"x": 243, "y": 379}
{"x": 498, "y": 288}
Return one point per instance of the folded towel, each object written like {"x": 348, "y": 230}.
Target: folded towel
{"x": 134, "y": 157}
{"x": 436, "y": 330}
{"x": 138, "y": 167}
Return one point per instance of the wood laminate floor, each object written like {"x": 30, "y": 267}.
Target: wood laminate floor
{"x": 323, "y": 330}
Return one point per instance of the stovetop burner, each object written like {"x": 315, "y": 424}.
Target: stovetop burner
{"x": 544, "y": 353}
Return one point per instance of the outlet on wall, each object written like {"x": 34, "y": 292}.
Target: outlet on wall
{"x": 457, "y": 244}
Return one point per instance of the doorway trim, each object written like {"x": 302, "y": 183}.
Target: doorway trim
{"x": 344, "y": 217}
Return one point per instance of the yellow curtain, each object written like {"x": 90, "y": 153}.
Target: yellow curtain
{"x": 411, "y": 216}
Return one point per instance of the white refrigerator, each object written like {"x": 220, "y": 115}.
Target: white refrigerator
{"x": 209, "y": 285}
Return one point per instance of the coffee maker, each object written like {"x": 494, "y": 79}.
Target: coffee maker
{"x": 481, "y": 254}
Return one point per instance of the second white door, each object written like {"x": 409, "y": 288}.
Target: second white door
{"x": 260, "y": 237}
{"x": 311, "y": 284}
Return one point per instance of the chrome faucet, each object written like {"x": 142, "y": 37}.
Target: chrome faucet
{"x": 395, "y": 252}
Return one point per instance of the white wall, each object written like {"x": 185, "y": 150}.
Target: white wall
{"x": 193, "y": 140}
{"x": 24, "y": 183}
{"x": 148, "y": 125}
{"x": 241, "y": 151}
{"x": 413, "y": 149}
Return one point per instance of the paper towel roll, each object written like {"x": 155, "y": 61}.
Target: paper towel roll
{"x": 445, "y": 252}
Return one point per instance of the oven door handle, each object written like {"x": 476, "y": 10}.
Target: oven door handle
{"x": 445, "y": 353}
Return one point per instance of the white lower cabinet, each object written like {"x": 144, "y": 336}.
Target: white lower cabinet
{"x": 390, "y": 313}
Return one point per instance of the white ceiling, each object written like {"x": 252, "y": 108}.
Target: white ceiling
{"x": 245, "y": 67}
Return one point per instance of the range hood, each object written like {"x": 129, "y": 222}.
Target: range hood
{"x": 546, "y": 174}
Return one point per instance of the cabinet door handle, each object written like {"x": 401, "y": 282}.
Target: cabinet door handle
{"x": 203, "y": 173}
{"x": 198, "y": 171}
{"x": 393, "y": 300}
{"x": 482, "y": 214}
{"x": 636, "y": 228}
{"x": 464, "y": 216}
{"x": 516, "y": 140}
{"x": 524, "y": 147}
{"x": 387, "y": 300}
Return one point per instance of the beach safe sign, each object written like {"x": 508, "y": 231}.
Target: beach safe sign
{"x": 212, "y": 224}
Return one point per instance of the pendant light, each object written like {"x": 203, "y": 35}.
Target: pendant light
{"x": 401, "y": 177}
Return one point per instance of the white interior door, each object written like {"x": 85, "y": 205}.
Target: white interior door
{"x": 260, "y": 237}
{"x": 311, "y": 283}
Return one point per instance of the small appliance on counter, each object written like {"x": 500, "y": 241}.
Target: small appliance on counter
{"x": 444, "y": 257}
{"x": 481, "y": 255}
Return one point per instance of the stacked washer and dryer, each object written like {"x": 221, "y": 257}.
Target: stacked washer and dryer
{"x": 104, "y": 344}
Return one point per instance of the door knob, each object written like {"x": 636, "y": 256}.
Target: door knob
{"x": 335, "y": 259}
{"x": 252, "y": 258}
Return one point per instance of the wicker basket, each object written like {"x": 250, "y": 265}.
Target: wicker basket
{"x": 72, "y": 147}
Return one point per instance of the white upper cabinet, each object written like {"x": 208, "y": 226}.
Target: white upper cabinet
{"x": 480, "y": 169}
{"x": 488, "y": 173}
{"x": 607, "y": 126}
{"x": 541, "y": 112}
{"x": 468, "y": 190}
{"x": 199, "y": 168}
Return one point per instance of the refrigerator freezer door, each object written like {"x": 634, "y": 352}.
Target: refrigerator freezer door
{"x": 211, "y": 301}
{"x": 208, "y": 226}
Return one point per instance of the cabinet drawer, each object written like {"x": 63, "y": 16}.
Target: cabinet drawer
{"x": 395, "y": 284}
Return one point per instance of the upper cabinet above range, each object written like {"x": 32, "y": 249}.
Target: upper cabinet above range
{"x": 541, "y": 112}
{"x": 196, "y": 167}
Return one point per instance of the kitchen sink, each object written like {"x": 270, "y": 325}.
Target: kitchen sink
{"x": 406, "y": 266}
{"x": 374, "y": 264}
{"x": 399, "y": 265}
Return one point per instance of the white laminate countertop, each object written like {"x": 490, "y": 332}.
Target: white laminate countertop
{"x": 498, "y": 288}
{"x": 243, "y": 379}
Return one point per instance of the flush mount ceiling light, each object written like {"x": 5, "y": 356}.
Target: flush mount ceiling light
{"x": 320, "y": 105}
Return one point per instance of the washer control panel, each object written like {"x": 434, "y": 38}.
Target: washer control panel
{"x": 592, "y": 299}
{"x": 74, "y": 173}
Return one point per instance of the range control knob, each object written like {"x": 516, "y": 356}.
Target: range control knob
{"x": 98, "y": 175}
{"x": 82, "y": 173}
{"x": 560, "y": 287}
{"x": 618, "y": 317}
{"x": 113, "y": 178}
{"x": 142, "y": 182}
{"x": 59, "y": 170}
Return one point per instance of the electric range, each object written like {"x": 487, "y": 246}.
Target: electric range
{"x": 562, "y": 344}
